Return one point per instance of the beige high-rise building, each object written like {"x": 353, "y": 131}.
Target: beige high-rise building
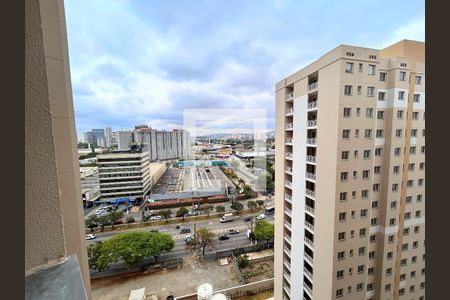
{"x": 350, "y": 202}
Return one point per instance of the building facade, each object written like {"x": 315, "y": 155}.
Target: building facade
{"x": 124, "y": 139}
{"x": 108, "y": 137}
{"x": 124, "y": 174}
{"x": 99, "y": 136}
{"x": 88, "y": 137}
{"x": 351, "y": 201}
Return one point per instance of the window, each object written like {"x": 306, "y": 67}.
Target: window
{"x": 365, "y": 194}
{"x": 381, "y": 96}
{"x": 411, "y": 167}
{"x": 405, "y": 247}
{"x": 407, "y": 215}
{"x": 344, "y": 155}
{"x": 382, "y": 76}
{"x": 377, "y": 170}
{"x": 387, "y": 287}
{"x": 373, "y": 222}
{"x": 373, "y": 238}
{"x": 346, "y": 134}
{"x": 422, "y": 149}
{"x": 369, "y": 112}
{"x": 370, "y": 91}
{"x": 341, "y": 236}
{"x": 396, "y": 169}
{"x": 349, "y": 67}
{"x": 343, "y": 196}
{"x": 371, "y": 69}
{"x": 415, "y": 244}
{"x": 410, "y": 183}
{"x": 340, "y": 274}
{"x": 366, "y": 174}
{"x": 347, "y": 112}
{"x": 362, "y": 250}
{"x": 369, "y": 286}
{"x": 360, "y": 269}
{"x": 389, "y": 255}
{"x": 397, "y": 151}
{"x": 344, "y": 176}
{"x": 358, "y": 111}
{"x": 391, "y": 238}
{"x": 348, "y": 90}
{"x": 395, "y": 187}
{"x": 392, "y": 222}
{"x": 362, "y": 232}
{"x": 342, "y": 216}
{"x": 360, "y": 67}
{"x": 411, "y": 289}
{"x": 370, "y": 271}
{"x": 353, "y": 196}
{"x": 393, "y": 204}
{"x": 401, "y": 292}
{"x": 359, "y": 88}
{"x": 380, "y": 115}
{"x": 401, "y": 95}
{"x": 398, "y": 133}
{"x": 399, "y": 114}
{"x": 408, "y": 199}
{"x": 355, "y": 154}
{"x": 378, "y": 151}
{"x": 418, "y": 80}
{"x": 356, "y": 133}
{"x": 350, "y": 54}
{"x": 402, "y": 76}
{"x": 412, "y": 150}
{"x": 403, "y": 262}
{"x": 379, "y": 133}
{"x": 339, "y": 293}
{"x": 415, "y": 115}
{"x": 368, "y": 133}
{"x": 363, "y": 213}
{"x": 419, "y": 198}
{"x": 413, "y": 132}
{"x": 341, "y": 255}
{"x": 406, "y": 231}
{"x": 366, "y": 154}
{"x": 418, "y": 214}
{"x": 374, "y": 204}
{"x": 355, "y": 174}
{"x": 422, "y": 285}
{"x": 420, "y": 182}
{"x": 416, "y": 229}
{"x": 416, "y": 98}
{"x": 376, "y": 187}
{"x": 359, "y": 286}
{"x": 421, "y": 166}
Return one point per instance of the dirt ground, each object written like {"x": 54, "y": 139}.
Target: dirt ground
{"x": 260, "y": 296}
{"x": 177, "y": 282}
{"x": 259, "y": 270}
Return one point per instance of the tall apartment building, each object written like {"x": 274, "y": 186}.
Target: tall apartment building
{"x": 98, "y": 134}
{"x": 124, "y": 139}
{"x": 351, "y": 201}
{"x": 162, "y": 144}
{"x": 124, "y": 174}
{"x": 108, "y": 137}
{"x": 88, "y": 137}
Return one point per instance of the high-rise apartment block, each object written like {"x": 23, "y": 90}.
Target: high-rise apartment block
{"x": 88, "y": 137}
{"x": 124, "y": 139}
{"x": 108, "y": 137}
{"x": 350, "y": 189}
{"x": 124, "y": 174}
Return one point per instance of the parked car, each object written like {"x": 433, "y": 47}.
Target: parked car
{"x": 154, "y": 230}
{"x": 247, "y": 219}
{"x": 90, "y": 236}
{"x": 188, "y": 238}
{"x": 185, "y": 230}
{"x": 156, "y": 218}
{"x": 224, "y": 237}
{"x": 261, "y": 217}
{"x": 233, "y": 231}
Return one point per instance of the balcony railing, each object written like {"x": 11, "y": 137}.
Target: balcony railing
{"x": 308, "y": 289}
{"x": 309, "y": 225}
{"x": 290, "y": 111}
{"x": 311, "y": 176}
{"x": 288, "y": 169}
{"x": 287, "y": 264}
{"x": 286, "y": 249}
{"x": 310, "y": 192}
{"x": 289, "y": 125}
{"x": 313, "y": 86}
{"x": 312, "y": 123}
{"x": 311, "y": 141}
{"x": 311, "y": 158}
{"x": 309, "y": 259}
{"x": 287, "y": 276}
{"x": 288, "y": 226}
{"x": 288, "y": 198}
{"x": 312, "y": 105}
{"x": 286, "y": 288}
{"x": 309, "y": 242}
{"x": 289, "y": 141}
{"x": 309, "y": 209}
{"x": 288, "y": 211}
{"x": 308, "y": 273}
{"x": 290, "y": 96}
{"x": 287, "y": 238}
{"x": 289, "y": 155}
{"x": 288, "y": 183}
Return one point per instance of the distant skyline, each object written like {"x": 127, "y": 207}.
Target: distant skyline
{"x": 144, "y": 62}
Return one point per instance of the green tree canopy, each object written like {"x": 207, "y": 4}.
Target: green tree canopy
{"x": 91, "y": 222}
{"x": 237, "y": 206}
{"x": 264, "y": 231}
{"x": 94, "y": 252}
{"x": 182, "y": 212}
{"x": 203, "y": 239}
{"x": 165, "y": 214}
{"x": 220, "y": 208}
{"x": 114, "y": 216}
{"x": 251, "y": 205}
{"x": 260, "y": 202}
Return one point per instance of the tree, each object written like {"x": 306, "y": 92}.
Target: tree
{"x": 182, "y": 212}
{"x": 260, "y": 202}
{"x": 248, "y": 191}
{"x": 237, "y": 206}
{"x": 145, "y": 219}
{"x": 103, "y": 221}
{"x": 264, "y": 231}
{"x": 160, "y": 243}
{"x": 203, "y": 239}
{"x": 114, "y": 216}
{"x": 251, "y": 205}
{"x": 94, "y": 252}
{"x": 165, "y": 214}
{"x": 242, "y": 261}
{"x": 91, "y": 222}
{"x": 207, "y": 209}
{"x": 220, "y": 208}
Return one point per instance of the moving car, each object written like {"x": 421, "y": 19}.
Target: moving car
{"x": 233, "y": 231}
{"x": 224, "y": 237}
{"x": 188, "y": 238}
{"x": 154, "y": 230}
{"x": 185, "y": 230}
{"x": 90, "y": 236}
{"x": 247, "y": 219}
{"x": 261, "y": 217}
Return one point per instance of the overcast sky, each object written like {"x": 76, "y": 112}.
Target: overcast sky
{"x": 145, "y": 61}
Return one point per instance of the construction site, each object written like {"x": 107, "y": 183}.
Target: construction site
{"x": 192, "y": 181}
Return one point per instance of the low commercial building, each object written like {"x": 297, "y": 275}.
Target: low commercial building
{"x": 90, "y": 185}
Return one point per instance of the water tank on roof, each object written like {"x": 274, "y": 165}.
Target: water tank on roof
{"x": 219, "y": 296}
{"x": 205, "y": 292}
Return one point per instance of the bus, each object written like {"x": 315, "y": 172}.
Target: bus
{"x": 270, "y": 210}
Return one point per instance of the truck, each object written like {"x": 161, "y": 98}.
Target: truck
{"x": 227, "y": 218}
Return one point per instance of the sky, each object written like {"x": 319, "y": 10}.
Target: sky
{"x": 147, "y": 61}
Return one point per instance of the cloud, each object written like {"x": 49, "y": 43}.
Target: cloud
{"x": 413, "y": 30}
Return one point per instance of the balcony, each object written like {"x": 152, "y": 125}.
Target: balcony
{"x": 286, "y": 288}
{"x": 288, "y": 212}
{"x": 310, "y": 176}
{"x": 312, "y": 105}
{"x": 310, "y": 193}
{"x": 287, "y": 264}
{"x": 308, "y": 290}
{"x": 289, "y": 96}
{"x": 289, "y": 141}
{"x": 309, "y": 209}
{"x": 288, "y": 183}
{"x": 309, "y": 226}
{"x": 308, "y": 258}
{"x": 288, "y": 170}
{"x": 288, "y": 198}
{"x": 309, "y": 242}
{"x": 286, "y": 250}
{"x": 289, "y": 155}
{"x": 288, "y": 239}
{"x": 287, "y": 276}
{"x": 290, "y": 111}
{"x": 313, "y": 86}
{"x": 308, "y": 273}
{"x": 312, "y": 123}
{"x": 288, "y": 226}
{"x": 311, "y": 142}
{"x": 289, "y": 126}
{"x": 311, "y": 158}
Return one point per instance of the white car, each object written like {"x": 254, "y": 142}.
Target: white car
{"x": 90, "y": 236}
{"x": 261, "y": 217}
{"x": 156, "y": 218}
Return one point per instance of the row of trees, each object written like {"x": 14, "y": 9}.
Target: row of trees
{"x": 131, "y": 248}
